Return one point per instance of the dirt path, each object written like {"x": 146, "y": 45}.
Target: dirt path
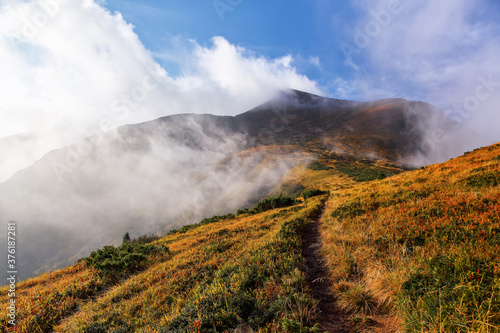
{"x": 332, "y": 319}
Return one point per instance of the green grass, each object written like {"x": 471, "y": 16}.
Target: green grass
{"x": 125, "y": 259}
{"x": 279, "y": 201}
{"x": 312, "y": 193}
{"x": 448, "y": 291}
{"x": 205, "y": 221}
{"x": 317, "y": 166}
{"x": 486, "y": 179}
{"x": 362, "y": 172}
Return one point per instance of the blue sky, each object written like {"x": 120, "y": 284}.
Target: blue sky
{"x": 304, "y": 29}
{"x": 316, "y": 30}
{"x": 74, "y": 68}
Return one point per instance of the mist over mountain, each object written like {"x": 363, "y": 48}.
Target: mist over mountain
{"x": 176, "y": 170}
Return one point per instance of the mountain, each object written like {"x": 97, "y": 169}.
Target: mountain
{"x": 417, "y": 251}
{"x": 155, "y": 176}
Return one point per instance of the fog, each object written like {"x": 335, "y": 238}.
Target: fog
{"x": 444, "y": 53}
{"x": 72, "y": 69}
{"x": 146, "y": 178}
{"x": 441, "y": 137}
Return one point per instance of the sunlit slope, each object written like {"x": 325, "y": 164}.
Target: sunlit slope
{"x": 97, "y": 207}
{"x": 414, "y": 251}
{"x": 244, "y": 270}
{"x": 420, "y": 251}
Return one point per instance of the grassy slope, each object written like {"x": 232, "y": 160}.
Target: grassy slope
{"x": 221, "y": 275}
{"x": 420, "y": 250}
{"x": 417, "y": 251}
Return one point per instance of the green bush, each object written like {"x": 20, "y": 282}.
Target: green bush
{"x": 205, "y": 221}
{"x": 127, "y": 258}
{"x": 243, "y": 211}
{"x": 316, "y": 166}
{"x": 363, "y": 173}
{"x": 312, "y": 193}
{"x": 145, "y": 239}
{"x": 126, "y": 238}
{"x": 278, "y": 201}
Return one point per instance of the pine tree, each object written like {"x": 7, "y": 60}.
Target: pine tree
{"x": 126, "y": 238}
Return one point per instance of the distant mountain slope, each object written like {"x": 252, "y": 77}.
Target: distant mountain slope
{"x": 151, "y": 176}
{"x": 395, "y": 129}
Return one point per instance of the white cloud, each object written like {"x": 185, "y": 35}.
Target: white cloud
{"x": 315, "y": 61}
{"x": 68, "y": 66}
{"x": 439, "y": 52}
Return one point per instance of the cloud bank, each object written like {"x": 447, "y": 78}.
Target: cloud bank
{"x": 72, "y": 68}
{"x": 145, "y": 178}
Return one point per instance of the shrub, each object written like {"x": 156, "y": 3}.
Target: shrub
{"x": 144, "y": 239}
{"x": 363, "y": 173}
{"x": 126, "y": 238}
{"x": 316, "y": 166}
{"x": 312, "y": 193}
{"x": 278, "y": 201}
{"x": 205, "y": 221}
{"x": 243, "y": 211}
{"x": 127, "y": 258}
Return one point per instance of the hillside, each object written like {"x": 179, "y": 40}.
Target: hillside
{"x": 420, "y": 250}
{"x": 177, "y": 170}
{"x": 415, "y": 251}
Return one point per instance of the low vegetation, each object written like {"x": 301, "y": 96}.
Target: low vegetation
{"x": 365, "y": 171}
{"x": 318, "y": 166}
{"x": 420, "y": 251}
{"x": 312, "y": 193}
{"x": 131, "y": 256}
{"x": 239, "y": 272}
{"x": 416, "y": 252}
{"x": 278, "y": 201}
{"x": 205, "y": 221}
